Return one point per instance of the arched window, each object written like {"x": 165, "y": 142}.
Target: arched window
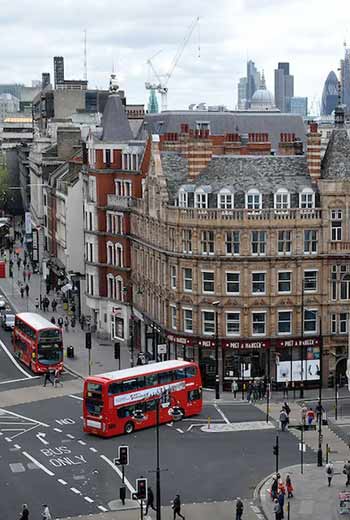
{"x": 119, "y": 288}
{"x": 282, "y": 199}
{"x": 307, "y": 198}
{"x": 183, "y": 198}
{"x": 225, "y": 199}
{"x": 119, "y": 255}
{"x": 110, "y": 253}
{"x": 253, "y": 199}
{"x": 200, "y": 199}
{"x": 110, "y": 286}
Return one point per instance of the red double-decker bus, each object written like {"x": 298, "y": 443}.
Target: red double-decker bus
{"x": 37, "y": 342}
{"x": 111, "y": 399}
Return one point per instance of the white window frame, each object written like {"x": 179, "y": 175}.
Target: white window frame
{"x": 225, "y": 199}
{"x": 119, "y": 254}
{"x": 173, "y": 316}
{"x": 253, "y": 200}
{"x": 185, "y": 279}
{"x": 184, "y": 310}
{"x": 264, "y": 313}
{"x": 183, "y": 198}
{"x": 279, "y": 281}
{"x": 186, "y": 241}
{"x": 314, "y": 331}
{"x": 284, "y": 242}
{"x": 307, "y": 199}
{"x": 92, "y": 188}
{"x": 211, "y": 281}
{"x": 119, "y": 293}
{"x": 336, "y": 230}
{"x": 227, "y": 321}
{"x": 173, "y": 276}
{"x": 258, "y": 293}
{"x": 110, "y": 286}
{"x": 207, "y": 243}
{"x": 228, "y": 240}
{"x": 261, "y": 244}
{"x": 200, "y": 199}
{"x": 342, "y": 322}
{"x": 281, "y": 311}
{"x": 311, "y": 242}
{"x": 282, "y": 199}
{"x": 307, "y": 291}
{"x": 227, "y": 282}
{"x": 110, "y": 253}
{"x": 213, "y": 313}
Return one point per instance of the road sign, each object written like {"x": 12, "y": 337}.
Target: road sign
{"x": 302, "y": 446}
{"x": 161, "y": 348}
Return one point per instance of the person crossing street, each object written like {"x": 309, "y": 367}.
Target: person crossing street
{"x": 177, "y": 507}
{"x": 239, "y": 508}
{"x": 150, "y": 500}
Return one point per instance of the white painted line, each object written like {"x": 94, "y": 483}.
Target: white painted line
{"x": 82, "y": 443}
{"x": 179, "y": 430}
{"x": 88, "y": 499}
{"x": 18, "y": 380}
{"x": 61, "y": 481}
{"x": 222, "y": 414}
{"x": 93, "y": 449}
{"x": 76, "y": 491}
{"x": 169, "y": 424}
{"x": 101, "y": 508}
{"x": 70, "y": 436}
{"x": 23, "y": 417}
{"x": 117, "y": 470}
{"x": 8, "y": 439}
{"x": 37, "y": 463}
{"x": 25, "y": 431}
{"x": 58, "y": 430}
{"x": 17, "y": 446}
{"x": 76, "y": 397}
{"x": 1, "y": 433}
{"x": 14, "y": 361}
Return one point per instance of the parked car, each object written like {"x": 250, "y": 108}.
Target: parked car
{"x": 8, "y": 321}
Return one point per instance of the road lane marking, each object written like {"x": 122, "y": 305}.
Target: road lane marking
{"x": 88, "y": 499}
{"x": 179, "y": 430}
{"x": 25, "y": 431}
{"x": 101, "y": 508}
{"x": 41, "y": 466}
{"x": 8, "y": 439}
{"x": 61, "y": 481}
{"x": 76, "y": 397}
{"x": 70, "y": 436}
{"x": 17, "y": 467}
{"x": 23, "y": 417}
{"x": 41, "y": 437}
{"x": 17, "y": 446}
{"x": 82, "y": 443}
{"x": 14, "y": 361}
{"x": 117, "y": 470}
{"x": 76, "y": 491}
{"x": 222, "y": 414}
{"x": 93, "y": 449}
{"x": 58, "y": 430}
{"x": 18, "y": 380}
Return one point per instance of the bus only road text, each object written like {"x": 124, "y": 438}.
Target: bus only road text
{"x": 58, "y": 461}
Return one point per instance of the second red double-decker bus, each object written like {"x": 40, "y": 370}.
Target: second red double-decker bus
{"x": 37, "y": 342}
{"x": 111, "y": 399}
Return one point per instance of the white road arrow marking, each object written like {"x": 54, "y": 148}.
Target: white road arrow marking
{"x": 41, "y": 436}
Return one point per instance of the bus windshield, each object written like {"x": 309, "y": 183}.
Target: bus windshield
{"x": 50, "y": 353}
{"x": 94, "y": 401}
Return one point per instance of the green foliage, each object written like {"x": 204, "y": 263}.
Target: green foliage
{"x": 4, "y": 186}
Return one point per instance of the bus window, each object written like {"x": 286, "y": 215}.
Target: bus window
{"x": 179, "y": 374}
{"x": 151, "y": 405}
{"x": 127, "y": 411}
{"x": 151, "y": 380}
{"x": 194, "y": 395}
{"x": 115, "y": 388}
{"x": 129, "y": 386}
{"x": 140, "y": 382}
{"x": 191, "y": 371}
{"x": 165, "y": 377}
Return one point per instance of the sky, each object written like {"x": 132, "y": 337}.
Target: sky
{"x": 123, "y": 35}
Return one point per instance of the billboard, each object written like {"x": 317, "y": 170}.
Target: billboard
{"x": 291, "y": 370}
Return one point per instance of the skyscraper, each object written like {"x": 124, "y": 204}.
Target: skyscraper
{"x": 298, "y": 105}
{"x": 58, "y": 69}
{"x": 45, "y": 81}
{"x": 345, "y": 78}
{"x": 253, "y": 81}
{"x": 242, "y": 94}
{"x": 284, "y": 87}
{"x": 329, "y": 94}
{"x": 153, "y": 107}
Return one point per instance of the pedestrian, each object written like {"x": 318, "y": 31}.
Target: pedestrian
{"x": 249, "y": 391}
{"x": 53, "y": 320}
{"x": 239, "y": 508}
{"x": 280, "y": 499}
{"x": 283, "y": 419}
{"x": 285, "y": 388}
{"x": 329, "y": 472}
{"x": 25, "y": 513}
{"x": 22, "y": 291}
{"x": 24, "y": 275}
{"x": 82, "y": 322}
{"x": 47, "y": 378}
{"x": 72, "y": 323}
{"x": 29, "y": 274}
{"x": 310, "y": 416}
{"x": 289, "y": 487}
{"x": 60, "y": 322}
{"x": 277, "y": 509}
{"x": 66, "y": 323}
{"x": 303, "y": 414}
{"x": 46, "y": 303}
{"x": 150, "y": 500}
{"x": 73, "y": 309}
{"x": 54, "y": 305}
{"x": 57, "y": 379}
{"x": 234, "y": 388}
{"x": 274, "y": 488}
{"x": 37, "y": 303}
{"x": 319, "y": 411}
{"x": 177, "y": 507}
{"x": 346, "y": 471}
{"x": 27, "y": 290}
{"x": 46, "y": 515}
{"x": 19, "y": 262}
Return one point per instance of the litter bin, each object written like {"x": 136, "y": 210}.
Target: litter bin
{"x": 70, "y": 352}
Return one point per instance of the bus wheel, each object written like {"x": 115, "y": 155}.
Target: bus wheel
{"x": 183, "y": 412}
{"x": 129, "y": 427}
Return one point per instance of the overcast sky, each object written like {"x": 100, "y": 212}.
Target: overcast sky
{"x": 307, "y": 33}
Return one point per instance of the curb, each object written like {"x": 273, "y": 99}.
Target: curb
{"x": 256, "y": 494}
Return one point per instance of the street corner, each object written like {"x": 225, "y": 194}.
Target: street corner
{"x": 236, "y": 427}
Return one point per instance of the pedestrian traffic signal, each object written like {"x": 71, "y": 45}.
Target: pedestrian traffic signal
{"x": 116, "y": 350}
{"x": 123, "y": 455}
{"x": 141, "y": 488}
{"x": 275, "y": 450}
{"x": 88, "y": 340}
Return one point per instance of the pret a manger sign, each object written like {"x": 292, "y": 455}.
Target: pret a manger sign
{"x": 148, "y": 393}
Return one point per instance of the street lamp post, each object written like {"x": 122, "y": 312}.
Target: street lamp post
{"x": 217, "y": 379}
{"x": 319, "y": 451}
{"x": 302, "y": 342}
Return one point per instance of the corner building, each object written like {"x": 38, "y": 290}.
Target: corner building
{"x": 246, "y": 248}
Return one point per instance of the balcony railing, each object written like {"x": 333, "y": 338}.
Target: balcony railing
{"x": 339, "y": 247}
{"x": 116, "y": 201}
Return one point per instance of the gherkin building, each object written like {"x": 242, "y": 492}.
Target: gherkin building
{"x": 329, "y": 94}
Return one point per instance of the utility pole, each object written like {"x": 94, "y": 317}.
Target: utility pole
{"x": 276, "y": 450}
{"x": 319, "y": 451}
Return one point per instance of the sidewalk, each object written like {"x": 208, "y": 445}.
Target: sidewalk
{"x": 313, "y": 499}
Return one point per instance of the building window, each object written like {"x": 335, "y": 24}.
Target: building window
{"x": 173, "y": 316}
{"x": 188, "y": 320}
{"x": 333, "y": 323}
{"x": 207, "y": 242}
{"x": 203, "y": 125}
{"x": 92, "y": 188}
{"x": 232, "y": 283}
{"x": 258, "y": 283}
{"x": 90, "y": 256}
{"x": 232, "y": 242}
{"x": 173, "y": 276}
{"x": 253, "y": 199}
{"x": 119, "y": 288}
{"x": 284, "y": 322}
{"x": 172, "y": 239}
{"x": 208, "y": 322}
{"x": 110, "y": 253}
{"x": 258, "y": 323}
{"x": 307, "y": 199}
{"x": 225, "y": 199}
{"x": 310, "y": 281}
{"x": 284, "y": 243}
{"x": 334, "y": 282}
{"x": 258, "y": 242}
{"x": 345, "y": 287}
{"x": 310, "y": 321}
{"x": 284, "y": 282}
{"x": 90, "y": 284}
{"x": 119, "y": 255}
{"x": 336, "y": 224}
{"x": 343, "y": 322}
{"x": 310, "y": 241}
{"x": 89, "y": 220}
{"x": 232, "y": 323}
{"x": 200, "y": 199}
{"x": 282, "y": 199}
{"x": 187, "y": 277}
{"x": 183, "y": 198}
{"x": 123, "y": 188}
{"x": 114, "y": 223}
{"x": 187, "y": 241}
{"x": 208, "y": 282}
{"x": 108, "y": 157}
{"x": 110, "y": 287}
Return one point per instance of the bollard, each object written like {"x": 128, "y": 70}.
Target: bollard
{"x": 209, "y": 420}
{"x": 288, "y": 510}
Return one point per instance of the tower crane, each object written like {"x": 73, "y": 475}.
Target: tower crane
{"x": 161, "y": 85}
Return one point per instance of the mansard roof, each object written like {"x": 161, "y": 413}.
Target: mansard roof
{"x": 336, "y": 161}
{"x": 116, "y": 127}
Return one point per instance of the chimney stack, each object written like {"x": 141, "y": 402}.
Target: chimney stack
{"x": 314, "y": 152}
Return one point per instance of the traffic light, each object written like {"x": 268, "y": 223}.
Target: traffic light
{"x": 88, "y": 340}
{"x": 275, "y": 450}
{"x": 141, "y": 488}
{"x": 116, "y": 350}
{"x": 123, "y": 455}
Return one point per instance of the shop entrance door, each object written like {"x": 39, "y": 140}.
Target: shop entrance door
{"x": 207, "y": 366}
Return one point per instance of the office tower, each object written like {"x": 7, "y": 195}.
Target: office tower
{"x": 298, "y": 105}
{"x": 242, "y": 94}
{"x": 45, "y": 80}
{"x": 329, "y": 94}
{"x": 58, "y": 66}
{"x": 284, "y": 87}
{"x": 345, "y": 78}
{"x": 253, "y": 81}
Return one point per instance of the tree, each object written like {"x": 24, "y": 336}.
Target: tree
{"x": 4, "y": 186}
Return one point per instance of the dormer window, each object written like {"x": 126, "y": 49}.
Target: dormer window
{"x": 307, "y": 199}
{"x": 282, "y": 199}
{"x": 200, "y": 199}
{"x": 253, "y": 199}
{"x": 183, "y": 198}
{"x": 225, "y": 199}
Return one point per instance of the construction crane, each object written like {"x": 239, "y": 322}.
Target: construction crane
{"x": 162, "y": 84}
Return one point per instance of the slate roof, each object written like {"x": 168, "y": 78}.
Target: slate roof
{"x": 336, "y": 161}
{"x": 273, "y": 123}
{"x": 175, "y": 169}
{"x": 116, "y": 127}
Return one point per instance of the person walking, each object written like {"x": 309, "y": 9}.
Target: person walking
{"x": 303, "y": 414}
{"x": 234, "y": 388}
{"x": 177, "y": 507}
{"x": 45, "y": 514}
{"x": 57, "y": 379}
{"x": 22, "y": 291}
{"x": 283, "y": 419}
{"x": 280, "y": 499}
{"x": 24, "y": 513}
{"x": 53, "y": 320}
{"x": 319, "y": 411}
{"x": 66, "y": 323}
{"x": 329, "y": 472}
{"x": 37, "y": 303}
{"x": 239, "y": 508}
{"x": 29, "y": 274}
{"x": 289, "y": 487}
{"x": 47, "y": 378}
{"x": 285, "y": 388}
{"x": 24, "y": 275}
{"x": 54, "y": 305}
{"x": 346, "y": 471}
{"x": 27, "y": 290}
{"x": 60, "y": 322}
{"x": 72, "y": 323}
{"x": 19, "y": 262}
{"x": 277, "y": 509}
{"x": 150, "y": 500}
{"x": 286, "y": 407}
{"x": 310, "y": 416}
